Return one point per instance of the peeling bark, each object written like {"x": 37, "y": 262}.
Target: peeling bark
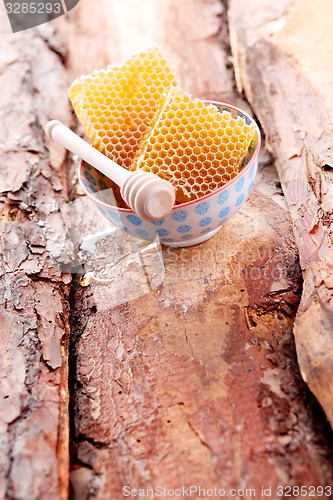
{"x": 196, "y": 381}
{"x": 281, "y": 57}
{"x": 34, "y": 290}
{"x": 193, "y": 380}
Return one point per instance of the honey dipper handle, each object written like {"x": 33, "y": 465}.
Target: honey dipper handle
{"x": 147, "y": 194}
{"x": 71, "y": 141}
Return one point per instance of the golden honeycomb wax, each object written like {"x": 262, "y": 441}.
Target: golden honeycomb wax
{"x": 194, "y": 146}
{"x": 115, "y": 105}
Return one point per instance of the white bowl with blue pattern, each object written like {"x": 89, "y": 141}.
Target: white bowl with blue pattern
{"x": 188, "y": 223}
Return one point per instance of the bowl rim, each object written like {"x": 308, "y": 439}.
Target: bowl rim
{"x": 198, "y": 200}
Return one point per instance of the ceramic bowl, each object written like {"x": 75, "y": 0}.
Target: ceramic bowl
{"x": 188, "y": 223}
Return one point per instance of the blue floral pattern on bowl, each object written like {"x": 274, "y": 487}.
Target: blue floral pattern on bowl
{"x": 205, "y": 221}
{"x": 179, "y": 215}
{"x": 162, "y": 232}
{"x": 158, "y": 222}
{"x": 134, "y": 219}
{"x": 250, "y": 187}
{"x": 202, "y": 208}
{"x": 240, "y": 184}
{"x": 224, "y": 212}
{"x": 239, "y": 200}
{"x": 223, "y": 197}
{"x": 184, "y": 228}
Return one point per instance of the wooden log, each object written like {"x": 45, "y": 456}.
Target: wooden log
{"x": 34, "y": 290}
{"x": 189, "y": 33}
{"x": 194, "y": 380}
{"x": 282, "y": 62}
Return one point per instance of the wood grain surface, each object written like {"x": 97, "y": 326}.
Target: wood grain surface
{"x": 182, "y": 363}
{"x": 196, "y": 381}
{"x": 282, "y": 62}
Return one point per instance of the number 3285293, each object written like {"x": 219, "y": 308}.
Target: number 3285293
{"x": 33, "y": 8}
{"x": 304, "y": 491}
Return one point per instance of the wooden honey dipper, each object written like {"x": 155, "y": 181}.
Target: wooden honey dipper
{"x": 148, "y": 195}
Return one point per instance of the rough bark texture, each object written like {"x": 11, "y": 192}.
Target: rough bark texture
{"x": 183, "y": 368}
{"x": 196, "y": 380}
{"x": 282, "y": 60}
{"x": 33, "y": 292}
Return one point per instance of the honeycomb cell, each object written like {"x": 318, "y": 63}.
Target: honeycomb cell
{"x": 205, "y": 147}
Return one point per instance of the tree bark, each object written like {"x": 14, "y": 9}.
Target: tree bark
{"x": 194, "y": 380}
{"x": 34, "y": 291}
{"x": 282, "y": 62}
{"x": 182, "y": 363}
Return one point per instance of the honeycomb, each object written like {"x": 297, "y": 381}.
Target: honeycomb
{"x": 138, "y": 116}
{"x": 115, "y": 105}
{"x": 195, "y": 147}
